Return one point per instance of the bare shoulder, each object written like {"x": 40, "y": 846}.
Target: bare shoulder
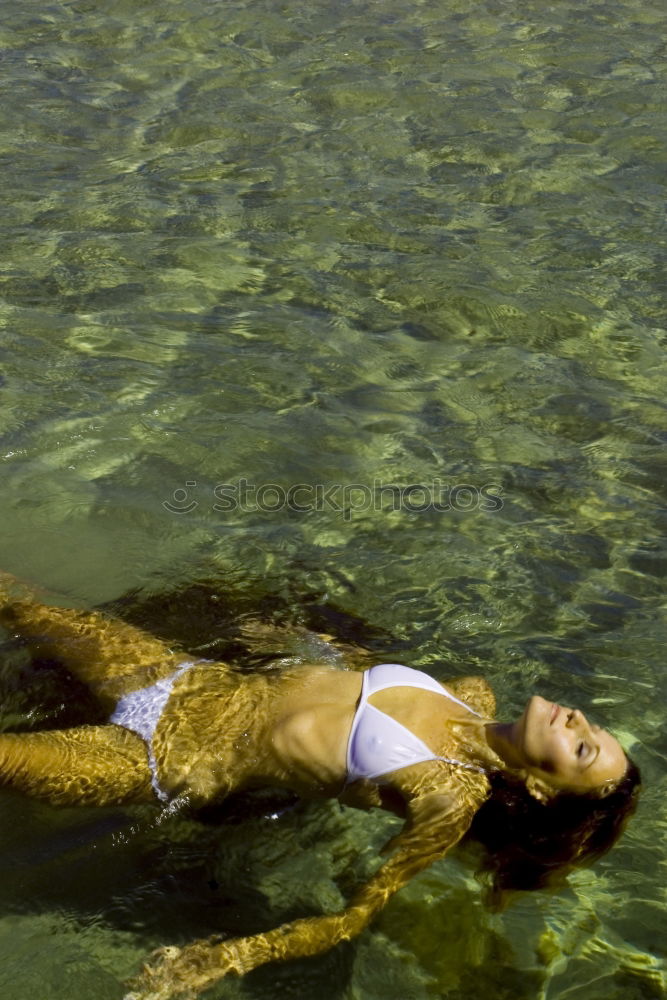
{"x": 476, "y": 692}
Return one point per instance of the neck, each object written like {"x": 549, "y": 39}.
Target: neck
{"x": 500, "y": 736}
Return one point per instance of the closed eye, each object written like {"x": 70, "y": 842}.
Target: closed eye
{"x": 588, "y": 754}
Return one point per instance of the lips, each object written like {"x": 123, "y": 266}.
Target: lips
{"x": 555, "y": 709}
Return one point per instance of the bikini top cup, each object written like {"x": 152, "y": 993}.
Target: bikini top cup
{"x": 377, "y": 743}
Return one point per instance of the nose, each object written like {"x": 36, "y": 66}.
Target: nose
{"x": 576, "y": 719}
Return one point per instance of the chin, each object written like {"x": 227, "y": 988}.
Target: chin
{"x": 539, "y": 708}
{"x": 531, "y": 726}
{"x": 533, "y": 710}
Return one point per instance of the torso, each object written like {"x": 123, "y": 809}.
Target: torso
{"x": 310, "y": 724}
{"x": 289, "y": 729}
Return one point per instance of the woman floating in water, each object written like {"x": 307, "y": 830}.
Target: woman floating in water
{"x": 544, "y": 793}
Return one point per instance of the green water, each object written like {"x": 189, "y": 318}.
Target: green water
{"x": 363, "y": 244}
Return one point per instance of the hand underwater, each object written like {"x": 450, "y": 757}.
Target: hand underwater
{"x": 184, "y": 972}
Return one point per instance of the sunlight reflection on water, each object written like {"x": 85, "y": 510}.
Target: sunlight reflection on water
{"x": 331, "y": 245}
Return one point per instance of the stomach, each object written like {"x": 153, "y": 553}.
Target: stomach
{"x": 311, "y": 730}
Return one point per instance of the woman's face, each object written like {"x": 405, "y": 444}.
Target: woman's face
{"x": 562, "y": 746}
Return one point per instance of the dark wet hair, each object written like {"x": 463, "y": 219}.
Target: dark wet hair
{"x": 531, "y": 844}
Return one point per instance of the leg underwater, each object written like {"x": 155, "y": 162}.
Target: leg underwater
{"x": 89, "y": 765}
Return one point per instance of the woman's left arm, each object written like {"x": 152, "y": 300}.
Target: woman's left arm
{"x": 435, "y": 822}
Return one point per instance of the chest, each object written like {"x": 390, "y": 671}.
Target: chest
{"x": 436, "y": 720}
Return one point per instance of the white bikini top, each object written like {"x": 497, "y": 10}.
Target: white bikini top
{"x": 377, "y": 743}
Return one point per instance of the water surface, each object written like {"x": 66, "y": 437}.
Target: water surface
{"x": 345, "y": 247}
